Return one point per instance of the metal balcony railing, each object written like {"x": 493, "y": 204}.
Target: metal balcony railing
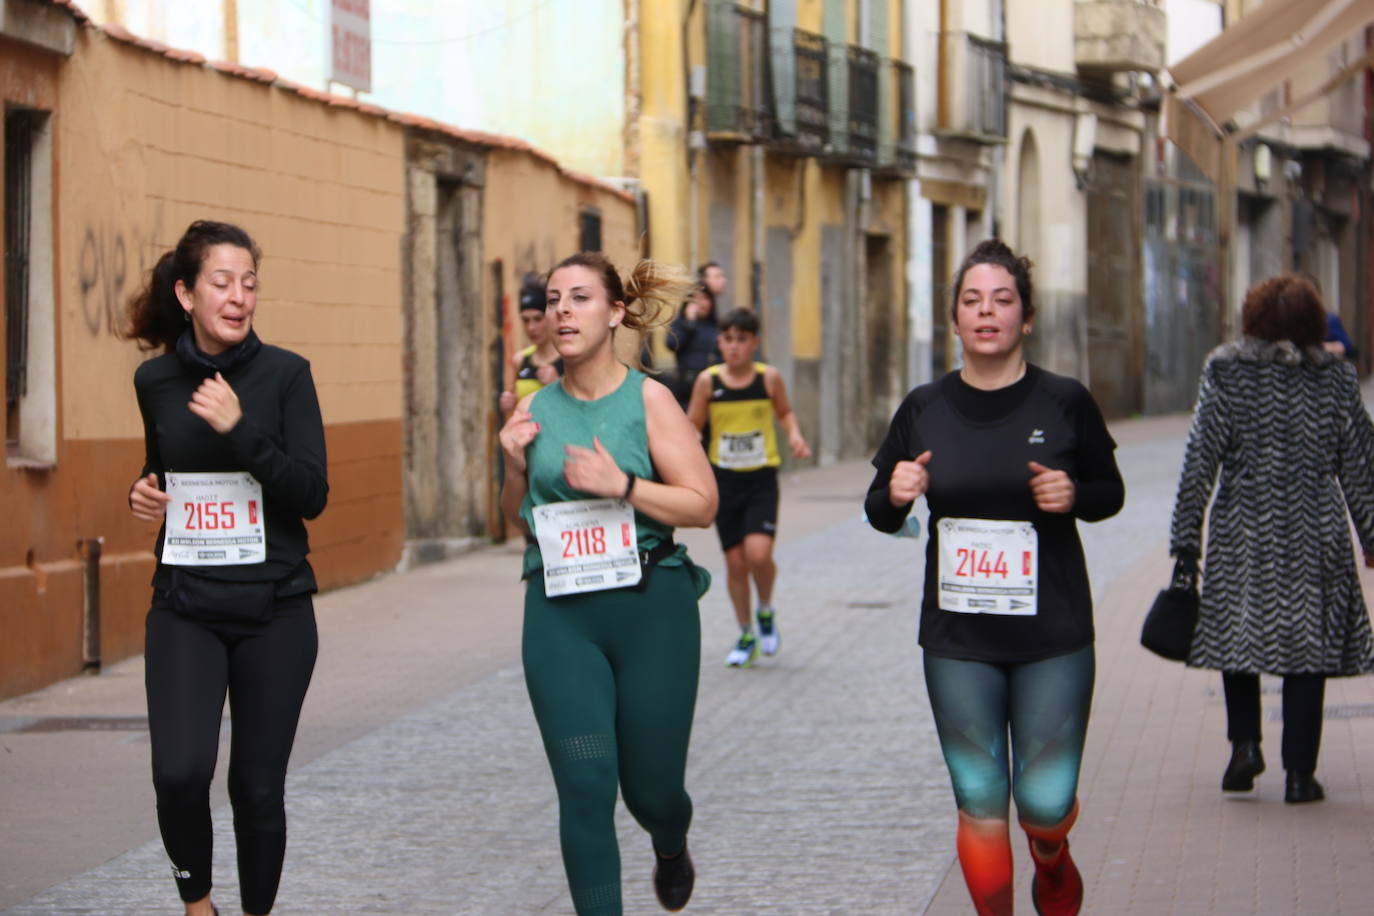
{"x": 897, "y": 121}
{"x": 739, "y": 98}
{"x": 973, "y": 101}
{"x": 800, "y": 79}
{"x": 864, "y": 99}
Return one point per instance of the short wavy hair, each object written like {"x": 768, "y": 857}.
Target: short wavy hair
{"x": 1284, "y": 307}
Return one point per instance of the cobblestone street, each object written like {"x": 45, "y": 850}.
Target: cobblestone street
{"x": 817, "y": 778}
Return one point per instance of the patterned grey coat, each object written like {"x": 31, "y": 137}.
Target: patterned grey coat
{"x": 1290, "y": 439}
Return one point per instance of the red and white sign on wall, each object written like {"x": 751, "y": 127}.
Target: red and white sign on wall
{"x": 350, "y": 43}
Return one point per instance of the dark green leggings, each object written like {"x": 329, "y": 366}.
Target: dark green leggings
{"x": 612, "y": 676}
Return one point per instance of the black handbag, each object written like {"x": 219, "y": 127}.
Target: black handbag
{"x": 220, "y": 601}
{"x": 1169, "y": 626}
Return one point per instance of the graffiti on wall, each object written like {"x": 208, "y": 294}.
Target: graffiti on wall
{"x": 103, "y": 275}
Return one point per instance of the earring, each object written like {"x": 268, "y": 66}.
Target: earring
{"x": 186, "y": 314}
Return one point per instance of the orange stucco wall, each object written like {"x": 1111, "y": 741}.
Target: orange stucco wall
{"x": 143, "y": 145}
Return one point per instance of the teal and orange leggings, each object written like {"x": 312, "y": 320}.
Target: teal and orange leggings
{"x": 612, "y": 677}
{"x": 1042, "y": 706}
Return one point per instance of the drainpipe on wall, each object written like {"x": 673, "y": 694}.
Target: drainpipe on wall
{"x": 90, "y": 549}
{"x": 693, "y": 207}
{"x": 756, "y": 223}
{"x": 696, "y": 139}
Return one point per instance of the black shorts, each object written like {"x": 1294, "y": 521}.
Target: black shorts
{"x": 748, "y": 504}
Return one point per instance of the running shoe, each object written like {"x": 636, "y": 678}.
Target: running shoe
{"x": 674, "y": 879}
{"x": 769, "y": 640}
{"x": 744, "y": 652}
{"x": 1056, "y": 888}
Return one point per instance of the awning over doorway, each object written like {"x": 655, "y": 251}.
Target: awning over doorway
{"x": 1250, "y": 58}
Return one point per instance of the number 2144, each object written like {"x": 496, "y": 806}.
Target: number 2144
{"x": 982, "y": 564}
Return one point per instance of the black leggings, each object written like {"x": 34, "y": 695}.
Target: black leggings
{"x": 1302, "y": 714}
{"x": 266, "y": 669}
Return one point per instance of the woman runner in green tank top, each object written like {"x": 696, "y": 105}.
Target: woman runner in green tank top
{"x": 600, "y": 467}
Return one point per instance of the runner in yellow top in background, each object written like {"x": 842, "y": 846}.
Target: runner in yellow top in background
{"x": 538, "y": 364}
{"x": 742, "y": 399}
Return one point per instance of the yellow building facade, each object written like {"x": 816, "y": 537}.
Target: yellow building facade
{"x": 775, "y": 140}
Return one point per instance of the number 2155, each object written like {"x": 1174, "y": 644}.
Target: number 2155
{"x": 209, "y": 516}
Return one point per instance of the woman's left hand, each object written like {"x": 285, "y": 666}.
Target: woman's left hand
{"x": 215, "y": 403}
{"x": 1053, "y": 490}
{"x": 593, "y": 470}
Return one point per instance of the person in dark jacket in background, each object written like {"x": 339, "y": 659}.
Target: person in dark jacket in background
{"x": 1282, "y": 435}
{"x": 692, "y": 336}
{"x": 235, "y": 464}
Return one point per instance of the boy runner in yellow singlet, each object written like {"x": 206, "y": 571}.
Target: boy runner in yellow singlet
{"x": 741, "y": 400}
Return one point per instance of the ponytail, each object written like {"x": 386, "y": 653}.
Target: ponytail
{"x": 155, "y": 317}
{"x": 652, "y": 293}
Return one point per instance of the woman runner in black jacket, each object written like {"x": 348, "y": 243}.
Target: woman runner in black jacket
{"x": 235, "y": 464}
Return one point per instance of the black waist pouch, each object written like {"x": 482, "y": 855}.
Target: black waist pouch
{"x": 215, "y": 600}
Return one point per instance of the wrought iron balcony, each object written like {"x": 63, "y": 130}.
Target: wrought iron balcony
{"x": 801, "y": 84}
{"x": 972, "y": 99}
{"x": 897, "y": 121}
{"x": 1118, "y": 35}
{"x": 864, "y": 99}
{"x": 739, "y": 98}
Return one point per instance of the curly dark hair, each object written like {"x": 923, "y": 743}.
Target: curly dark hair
{"x": 1284, "y": 307}
{"x": 996, "y": 252}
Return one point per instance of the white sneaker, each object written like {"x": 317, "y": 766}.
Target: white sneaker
{"x": 769, "y": 640}
{"x": 744, "y": 652}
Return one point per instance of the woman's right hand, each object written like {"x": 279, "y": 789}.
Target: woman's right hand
{"x": 147, "y": 501}
{"x": 909, "y": 480}
{"x": 519, "y": 432}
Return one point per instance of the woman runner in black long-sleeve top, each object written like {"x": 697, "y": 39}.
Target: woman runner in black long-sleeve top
{"x": 235, "y": 462}
{"x": 1008, "y": 457}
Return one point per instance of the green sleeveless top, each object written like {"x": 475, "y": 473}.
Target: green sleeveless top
{"x": 618, "y": 421}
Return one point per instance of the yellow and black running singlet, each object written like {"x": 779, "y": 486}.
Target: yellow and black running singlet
{"x": 527, "y": 378}
{"x": 743, "y": 437}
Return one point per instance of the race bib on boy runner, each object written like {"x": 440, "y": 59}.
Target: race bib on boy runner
{"x": 587, "y": 545}
{"x": 742, "y": 450}
{"x": 214, "y": 519}
{"x": 988, "y": 566}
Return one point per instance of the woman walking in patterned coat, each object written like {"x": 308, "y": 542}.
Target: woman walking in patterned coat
{"x": 1280, "y": 430}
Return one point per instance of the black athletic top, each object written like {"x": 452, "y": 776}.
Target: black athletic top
{"x": 279, "y": 440}
{"x": 980, "y": 443}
